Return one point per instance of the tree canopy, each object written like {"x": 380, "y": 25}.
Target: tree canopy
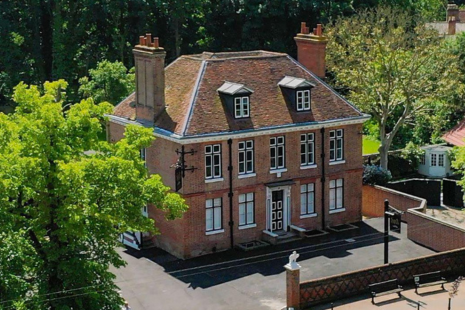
{"x": 62, "y": 207}
{"x": 110, "y": 81}
{"x": 47, "y": 40}
{"x": 393, "y": 66}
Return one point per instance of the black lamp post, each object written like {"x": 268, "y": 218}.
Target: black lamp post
{"x": 386, "y": 231}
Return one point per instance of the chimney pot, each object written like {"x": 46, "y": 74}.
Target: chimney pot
{"x": 156, "y": 43}
{"x": 311, "y": 50}
{"x": 149, "y": 39}
{"x": 319, "y": 32}
{"x": 303, "y": 26}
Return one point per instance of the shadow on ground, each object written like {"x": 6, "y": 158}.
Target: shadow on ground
{"x": 234, "y": 264}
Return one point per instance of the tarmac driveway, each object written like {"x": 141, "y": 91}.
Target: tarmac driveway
{"x": 153, "y": 279}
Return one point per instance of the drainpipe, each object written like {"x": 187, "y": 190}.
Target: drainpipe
{"x": 323, "y": 176}
{"x": 230, "y": 194}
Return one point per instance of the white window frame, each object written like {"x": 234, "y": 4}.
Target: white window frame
{"x": 307, "y": 199}
{"x": 336, "y": 145}
{"x": 246, "y": 209}
{"x": 336, "y": 194}
{"x": 246, "y": 157}
{"x": 440, "y": 160}
{"x": 277, "y": 145}
{"x": 422, "y": 159}
{"x": 307, "y": 149}
{"x": 213, "y": 155}
{"x": 241, "y": 107}
{"x": 213, "y": 215}
{"x": 303, "y": 100}
{"x": 434, "y": 160}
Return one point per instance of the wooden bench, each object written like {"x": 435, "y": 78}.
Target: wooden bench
{"x": 385, "y": 288}
{"x": 428, "y": 279}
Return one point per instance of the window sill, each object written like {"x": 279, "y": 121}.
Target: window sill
{"x": 214, "y": 180}
{"x": 214, "y": 232}
{"x": 246, "y": 175}
{"x": 306, "y": 216}
{"x": 248, "y": 226}
{"x": 337, "y": 162}
{"x": 308, "y": 167}
{"x": 337, "y": 210}
{"x": 278, "y": 171}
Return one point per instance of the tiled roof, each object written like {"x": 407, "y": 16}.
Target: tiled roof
{"x": 196, "y": 108}
{"x": 456, "y": 136}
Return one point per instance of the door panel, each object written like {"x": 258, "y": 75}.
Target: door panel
{"x": 277, "y": 220}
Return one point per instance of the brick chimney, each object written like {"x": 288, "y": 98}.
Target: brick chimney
{"x": 452, "y": 12}
{"x": 311, "y": 49}
{"x": 149, "y": 59}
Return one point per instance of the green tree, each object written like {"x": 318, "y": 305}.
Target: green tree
{"x": 62, "y": 209}
{"x": 393, "y": 66}
{"x": 110, "y": 81}
{"x": 177, "y": 13}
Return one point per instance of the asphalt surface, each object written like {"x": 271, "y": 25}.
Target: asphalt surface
{"x": 153, "y": 279}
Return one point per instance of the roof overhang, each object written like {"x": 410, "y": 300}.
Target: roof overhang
{"x": 293, "y": 82}
{"x": 240, "y": 134}
{"x": 230, "y": 88}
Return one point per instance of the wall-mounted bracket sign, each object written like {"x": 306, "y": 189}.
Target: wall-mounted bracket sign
{"x": 181, "y": 167}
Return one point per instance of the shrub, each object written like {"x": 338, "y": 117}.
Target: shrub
{"x": 412, "y": 154}
{"x": 375, "y": 175}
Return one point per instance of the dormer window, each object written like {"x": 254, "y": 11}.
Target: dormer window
{"x": 297, "y": 92}
{"x": 236, "y": 97}
{"x": 303, "y": 100}
{"x": 241, "y": 107}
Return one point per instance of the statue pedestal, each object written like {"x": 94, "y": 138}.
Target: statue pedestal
{"x": 292, "y": 285}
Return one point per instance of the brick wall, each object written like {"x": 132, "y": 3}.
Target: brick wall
{"x": 373, "y": 201}
{"x": 187, "y": 237}
{"x": 434, "y": 233}
{"x": 196, "y": 190}
{"x": 323, "y": 290}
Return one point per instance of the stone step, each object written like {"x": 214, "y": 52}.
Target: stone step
{"x": 289, "y": 237}
{"x": 286, "y": 240}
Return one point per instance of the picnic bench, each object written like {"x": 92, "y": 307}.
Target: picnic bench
{"x": 428, "y": 279}
{"x": 385, "y": 288}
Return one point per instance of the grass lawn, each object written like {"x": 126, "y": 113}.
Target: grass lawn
{"x": 370, "y": 146}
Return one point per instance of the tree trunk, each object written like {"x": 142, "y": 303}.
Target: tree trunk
{"x": 177, "y": 40}
{"x": 46, "y": 30}
{"x": 383, "y": 154}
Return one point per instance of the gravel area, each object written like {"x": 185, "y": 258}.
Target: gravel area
{"x": 447, "y": 214}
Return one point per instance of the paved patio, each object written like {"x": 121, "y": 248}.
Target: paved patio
{"x": 433, "y": 298}
{"x": 255, "y": 280}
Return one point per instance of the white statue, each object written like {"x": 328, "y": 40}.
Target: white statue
{"x": 293, "y": 258}
{"x": 293, "y": 261}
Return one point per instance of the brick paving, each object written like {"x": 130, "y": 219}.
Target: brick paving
{"x": 431, "y": 298}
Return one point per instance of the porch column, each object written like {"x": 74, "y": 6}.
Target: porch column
{"x": 293, "y": 282}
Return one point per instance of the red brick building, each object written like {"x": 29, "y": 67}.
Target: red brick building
{"x": 269, "y": 147}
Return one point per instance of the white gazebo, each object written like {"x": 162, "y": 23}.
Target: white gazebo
{"x": 435, "y": 161}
